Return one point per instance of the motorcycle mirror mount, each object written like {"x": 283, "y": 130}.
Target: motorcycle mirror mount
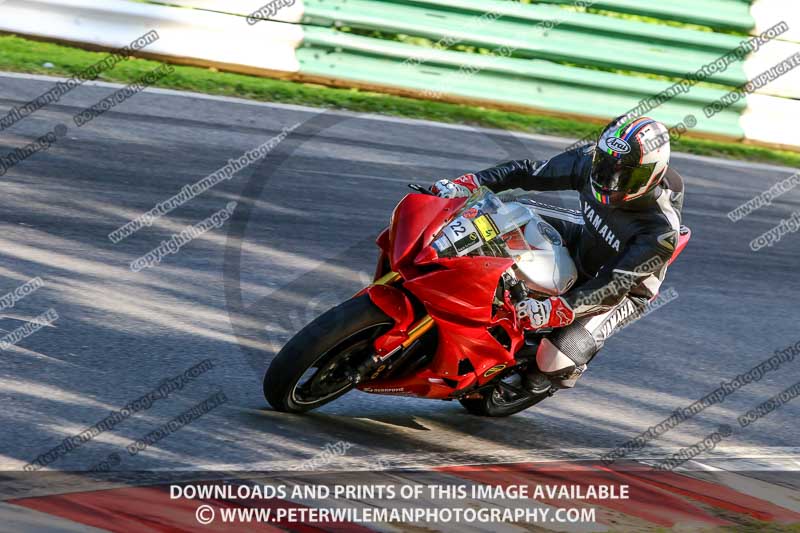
{"x": 420, "y": 188}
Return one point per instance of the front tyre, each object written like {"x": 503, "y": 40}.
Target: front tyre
{"x": 313, "y": 368}
{"x": 505, "y": 399}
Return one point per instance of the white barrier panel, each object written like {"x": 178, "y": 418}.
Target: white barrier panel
{"x": 766, "y": 14}
{"x": 767, "y": 57}
{"x": 183, "y": 33}
{"x": 284, "y": 10}
{"x": 769, "y": 119}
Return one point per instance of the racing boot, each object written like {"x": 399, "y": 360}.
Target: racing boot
{"x": 568, "y": 382}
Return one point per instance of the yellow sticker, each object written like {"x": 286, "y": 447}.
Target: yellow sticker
{"x": 486, "y": 227}
{"x": 494, "y": 370}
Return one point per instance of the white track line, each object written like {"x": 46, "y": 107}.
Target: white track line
{"x": 742, "y": 458}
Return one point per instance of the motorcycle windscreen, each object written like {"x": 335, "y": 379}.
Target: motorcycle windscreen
{"x": 485, "y": 226}
{"x": 414, "y": 221}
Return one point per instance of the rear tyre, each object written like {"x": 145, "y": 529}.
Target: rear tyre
{"x": 313, "y": 368}
{"x": 503, "y": 400}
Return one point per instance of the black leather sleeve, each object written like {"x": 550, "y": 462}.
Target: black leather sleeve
{"x": 559, "y": 173}
{"x": 646, "y": 254}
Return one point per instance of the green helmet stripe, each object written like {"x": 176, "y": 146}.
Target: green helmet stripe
{"x": 617, "y": 133}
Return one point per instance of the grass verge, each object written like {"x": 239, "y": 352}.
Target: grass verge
{"x": 18, "y": 54}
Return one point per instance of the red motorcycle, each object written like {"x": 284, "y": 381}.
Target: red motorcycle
{"x": 439, "y": 320}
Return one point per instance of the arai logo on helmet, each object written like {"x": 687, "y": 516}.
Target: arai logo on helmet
{"x": 618, "y": 145}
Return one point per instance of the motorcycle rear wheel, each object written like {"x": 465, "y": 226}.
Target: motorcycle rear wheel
{"x": 332, "y": 345}
{"x": 501, "y": 400}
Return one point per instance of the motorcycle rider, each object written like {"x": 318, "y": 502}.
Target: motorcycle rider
{"x": 621, "y": 240}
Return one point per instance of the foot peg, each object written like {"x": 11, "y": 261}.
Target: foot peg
{"x": 536, "y": 383}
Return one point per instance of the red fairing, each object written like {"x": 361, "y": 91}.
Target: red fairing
{"x": 683, "y": 240}
{"x": 457, "y": 292}
{"x": 383, "y": 259}
{"x": 396, "y": 306}
{"x": 465, "y": 289}
{"x": 383, "y": 240}
{"x": 457, "y": 342}
{"x": 459, "y": 298}
{"x": 414, "y": 222}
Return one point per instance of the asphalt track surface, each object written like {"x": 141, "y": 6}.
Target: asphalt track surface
{"x": 302, "y": 240}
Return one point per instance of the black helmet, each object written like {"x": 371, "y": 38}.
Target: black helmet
{"x": 630, "y": 159}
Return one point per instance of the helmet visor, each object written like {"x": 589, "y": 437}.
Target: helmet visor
{"x": 609, "y": 174}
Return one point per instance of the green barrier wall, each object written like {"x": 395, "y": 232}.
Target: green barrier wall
{"x": 533, "y": 83}
{"x": 550, "y": 55}
{"x": 718, "y": 14}
{"x": 573, "y": 41}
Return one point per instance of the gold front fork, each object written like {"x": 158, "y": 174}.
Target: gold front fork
{"x": 418, "y": 330}
{"x": 387, "y": 279}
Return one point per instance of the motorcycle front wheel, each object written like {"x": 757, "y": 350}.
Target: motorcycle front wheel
{"x": 313, "y": 368}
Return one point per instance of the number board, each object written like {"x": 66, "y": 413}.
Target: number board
{"x": 462, "y": 233}
{"x": 486, "y": 227}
